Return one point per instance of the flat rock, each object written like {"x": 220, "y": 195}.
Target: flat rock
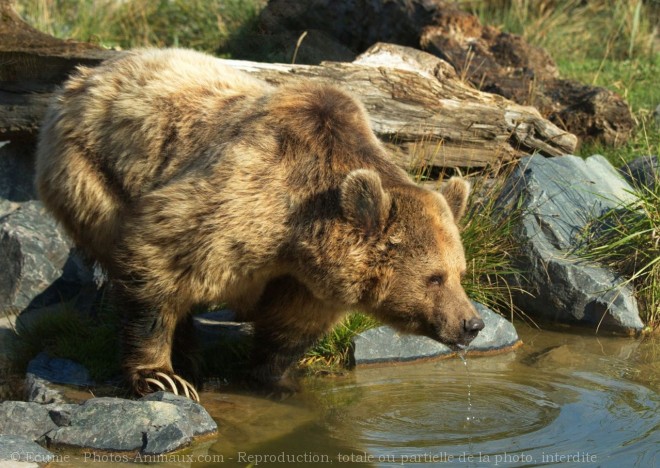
{"x": 199, "y": 418}
{"x": 221, "y": 324}
{"x": 150, "y": 426}
{"x": 23, "y": 451}
{"x": 59, "y": 370}
{"x": 41, "y": 391}
{"x": 384, "y": 344}
{"x": 31, "y": 420}
{"x": 559, "y": 197}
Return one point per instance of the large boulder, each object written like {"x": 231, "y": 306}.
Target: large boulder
{"x": 39, "y": 266}
{"x": 558, "y": 197}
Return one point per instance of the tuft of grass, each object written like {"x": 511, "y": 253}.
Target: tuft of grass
{"x": 490, "y": 244}
{"x": 199, "y": 24}
{"x": 66, "y": 333}
{"x": 627, "y": 239}
{"x": 614, "y": 29}
{"x": 332, "y": 353}
{"x": 636, "y": 81}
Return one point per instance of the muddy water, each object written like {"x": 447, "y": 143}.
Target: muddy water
{"x": 571, "y": 399}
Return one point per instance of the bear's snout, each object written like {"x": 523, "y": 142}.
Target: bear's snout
{"x": 474, "y": 325}
{"x": 471, "y": 329}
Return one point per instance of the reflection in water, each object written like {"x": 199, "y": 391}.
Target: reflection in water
{"x": 561, "y": 398}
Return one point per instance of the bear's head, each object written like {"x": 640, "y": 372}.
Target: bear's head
{"x": 418, "y": 259}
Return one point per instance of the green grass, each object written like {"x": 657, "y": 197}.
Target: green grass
{"x": 575, "y": 29}
{"x": 636, "y": 80}
{"x": 66, "y": 333}
{"x": 627, "y": 239}
{"x": 333, "y": 351}
{"x": 490, "y": 245}
{"x": 199, "y": 24}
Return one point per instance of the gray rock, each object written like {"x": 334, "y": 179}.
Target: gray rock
{"x": 40, "y": 391}
{"x": 498, "y": 333}
{"x": 384, "y": 344}
{"x": 17, "y": 172}
{"x": 559, "y": 196}
{"x": 59, "y": 370}
{"x": 43, "y": 371}
{"x": 200, "y": 420}
{"x": 150, "y": 426}
{"x": 642, "y": 171}
{"x": 30, "y": 420}
{"x": 18, "y": 448}
{"x": 39, "y": 267}
{"x": 221, "y": 324}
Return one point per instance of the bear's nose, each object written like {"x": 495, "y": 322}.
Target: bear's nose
{"x": 474, "y": 325}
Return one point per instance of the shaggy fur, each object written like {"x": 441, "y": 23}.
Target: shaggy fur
{"x": 193, "y": 183}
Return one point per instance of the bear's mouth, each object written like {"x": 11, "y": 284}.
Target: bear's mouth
{"x": 456, "y": 345}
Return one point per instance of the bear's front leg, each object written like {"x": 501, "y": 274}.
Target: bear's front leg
{"x": 289, "y": 321}
{"x": 148, "y": 335}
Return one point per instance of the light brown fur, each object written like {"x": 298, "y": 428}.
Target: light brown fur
{"x": 193, "y": 183}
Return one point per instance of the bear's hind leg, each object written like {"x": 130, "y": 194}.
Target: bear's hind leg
{"x": 148, "y": 335}
{"x": 289, "y": 320}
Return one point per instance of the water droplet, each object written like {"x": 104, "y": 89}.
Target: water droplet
{"x": 468, "y": 418}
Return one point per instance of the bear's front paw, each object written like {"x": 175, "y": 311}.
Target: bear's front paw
{"x": 154, "y": 381}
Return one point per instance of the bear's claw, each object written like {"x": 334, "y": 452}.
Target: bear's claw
{"x": 188, "y": 389}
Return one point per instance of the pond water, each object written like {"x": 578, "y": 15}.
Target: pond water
{"x": 563, "y": 398}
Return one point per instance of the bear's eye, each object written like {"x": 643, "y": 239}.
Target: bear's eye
{"x": 436, "y": 280}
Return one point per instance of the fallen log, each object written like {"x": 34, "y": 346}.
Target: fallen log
{"x": 425, "y": 113}
{"x": 419, "y": 107}
{"x": 492, "y": 60}
{"x": 32, "y": 65}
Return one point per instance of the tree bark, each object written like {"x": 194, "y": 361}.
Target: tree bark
{"x": 32, "y": 65}
{"x": 425, "y": 113}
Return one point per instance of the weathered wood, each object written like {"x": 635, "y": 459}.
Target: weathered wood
{"x": 426, "y": 114}
{"x": 32, "y": 65}
{"x": 418, "y": 105}
{"x": 492, "y": 60}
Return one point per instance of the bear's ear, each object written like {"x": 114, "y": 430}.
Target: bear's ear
{"x": 456, "y": 193}
{"x": 364, "y": 203}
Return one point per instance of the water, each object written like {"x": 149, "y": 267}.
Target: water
{"x": 563, "y": 398}
{"x": 469, "y": 417}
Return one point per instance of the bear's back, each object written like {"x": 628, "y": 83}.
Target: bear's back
{"x": 147, "y": 115}
{"x": 126, "y": 128}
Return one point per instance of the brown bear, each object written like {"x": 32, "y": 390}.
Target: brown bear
{"x": 193, "y": 183}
